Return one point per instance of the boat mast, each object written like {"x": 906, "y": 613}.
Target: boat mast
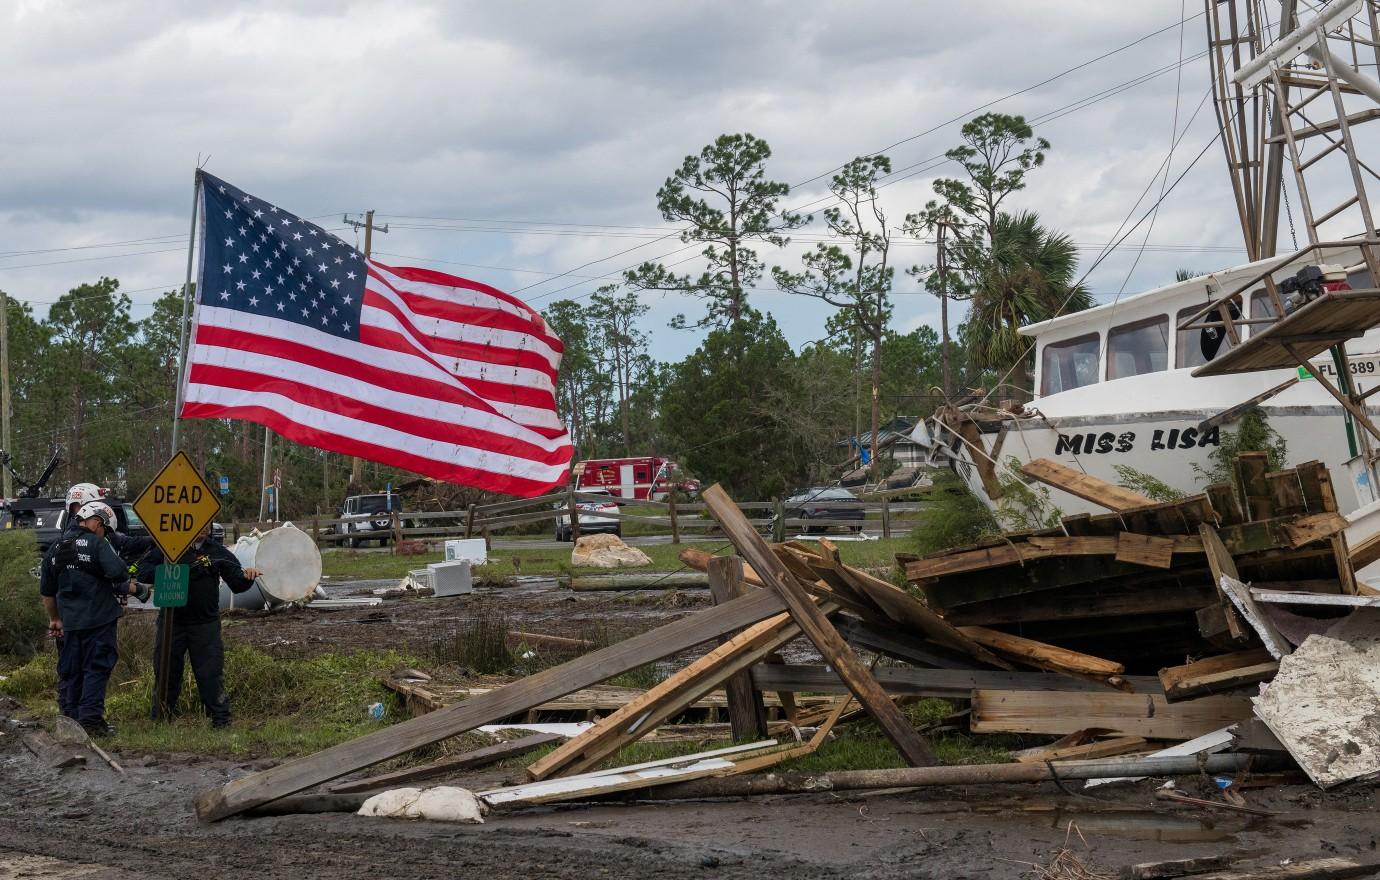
{"x": 1299, "y": 97}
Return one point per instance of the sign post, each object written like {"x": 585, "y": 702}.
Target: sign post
{"x": 175, "y": 506}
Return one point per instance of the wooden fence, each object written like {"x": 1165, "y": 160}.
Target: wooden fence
{"x": 676, "y": 518}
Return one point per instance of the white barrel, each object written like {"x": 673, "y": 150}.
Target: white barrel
{"x": 289, "y": 564}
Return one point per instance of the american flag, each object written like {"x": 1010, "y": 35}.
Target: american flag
{"x": 296, "y": 330}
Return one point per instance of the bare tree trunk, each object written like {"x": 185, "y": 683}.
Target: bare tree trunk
{"x": 876, "y": 395}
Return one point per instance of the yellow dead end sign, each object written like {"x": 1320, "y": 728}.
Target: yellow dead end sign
{"x": 176, "y": 505}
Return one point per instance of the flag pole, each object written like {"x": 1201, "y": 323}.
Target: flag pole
{"x": 162, "y": 710}
{"x": 186, "y": 303}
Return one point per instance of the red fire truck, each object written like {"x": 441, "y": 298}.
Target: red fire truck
{"x": 647, "y": 477}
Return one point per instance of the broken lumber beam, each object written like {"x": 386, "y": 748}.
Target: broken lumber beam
{"x": 1102, "y": 748}
{"x": 297, "y": 774}
{"x": 1240, "y": 596}
{"x": 666, "y": 699}
{"x": 1039, "y": 654}
{"x": 1216, "y": 674}
{"x": 952, "y": 683}
{"x": 1154, "y": 551}
{"x": 1085, "y": 486}
{"x": 972, "y": 774}
{"x": 1222, "y": 565}
{"x": 746, "y": 713}
{"x": 816, "y": 626}
{"x": 1314, "y": 527}
{"x": 477, "y": 758}
{"x": 1147, "y": 715}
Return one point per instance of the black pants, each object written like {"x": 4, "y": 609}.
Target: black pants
{"x": 200, "y": 641}
{"x": 85, "y": 661}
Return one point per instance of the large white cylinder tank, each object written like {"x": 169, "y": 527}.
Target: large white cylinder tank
{"x": 289, "y": 564}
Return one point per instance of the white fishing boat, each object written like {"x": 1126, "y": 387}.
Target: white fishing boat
{"x": 1154, "y": 382}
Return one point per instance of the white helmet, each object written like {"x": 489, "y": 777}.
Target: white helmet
{"x": 81, "y": 493}
{"x": 98, "y": 509}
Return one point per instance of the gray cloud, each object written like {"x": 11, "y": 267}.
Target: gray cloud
{"x": 562, "y": 114}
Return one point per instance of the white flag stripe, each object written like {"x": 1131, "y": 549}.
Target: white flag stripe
{"x": 406, "y": 404}
{"x": 407, "y": 365}
{"x": 445, "y": 293}
{"x": 379, "y": 435}
{"x": 463, "y": 368}
{"x": 473, "y": 333}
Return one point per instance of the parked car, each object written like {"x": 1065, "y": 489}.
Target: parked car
{"x": 48, "y": 518}
{"x": 369, "y": 518}
{"x": 825, "y": 503}
{"x": 592, "y": 515}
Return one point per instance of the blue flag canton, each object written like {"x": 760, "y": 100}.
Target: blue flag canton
{"x": 258, "y": 258}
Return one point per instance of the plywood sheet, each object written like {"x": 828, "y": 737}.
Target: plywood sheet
{"x": 1324, "y": 703}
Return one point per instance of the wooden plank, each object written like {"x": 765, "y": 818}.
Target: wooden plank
{"x": 1224, "y": 504}
{"x": 1366, "y": 552}
{"x": 1240, "y": 596}
{"x": 908, "y": 611}
{"x": 1213, "y": 674}
{"x": 1147, "y": 715}
{"x": 548, "y": 684}
{"x": 1084, "y": 486}
{"x": 1193, "y": 686}
{"x": 1105, "y": 748}
{"x": 1314, "y": 869}
{"x": 1314, "y": 527}
{"x": 1251, "y": 468}
{"x": 477, "y": 758}
{"x": 1290, "y": 597}
{"x": 1222, "y": 565}
{"x": 667, "y": 698}
{"x": 1150, "y": 550}
{"x": 817, "y": 628}
{"x": 746, "y": 713}
{"x": 1039, "y": 654}
{"x": 910, "y": 682}
{"x": 1286, "y": 492}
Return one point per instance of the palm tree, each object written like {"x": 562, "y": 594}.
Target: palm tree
{"x": 1027, "y": 277}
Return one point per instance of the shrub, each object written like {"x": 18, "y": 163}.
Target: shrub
{"x": 23, "y": 622}
{"x": 952, "y": 516}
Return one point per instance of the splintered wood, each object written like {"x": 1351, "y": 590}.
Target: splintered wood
{"x": 1177, "y": 586}
{"x": 1055, "y": 631}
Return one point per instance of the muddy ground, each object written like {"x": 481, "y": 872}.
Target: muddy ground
{"x": 95, "y": 823}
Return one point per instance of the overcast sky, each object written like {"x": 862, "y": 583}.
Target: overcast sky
{"x": 511, "y": 142}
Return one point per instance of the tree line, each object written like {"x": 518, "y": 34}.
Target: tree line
{"x": 744, "y": 408}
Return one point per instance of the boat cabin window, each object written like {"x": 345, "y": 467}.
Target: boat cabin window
{"x": 1069, "y": 364}
{"x": 1188, "y": 350}
{"x": 1142, "y": 347}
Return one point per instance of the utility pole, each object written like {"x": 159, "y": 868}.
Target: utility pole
{"x": 8, "y": 486}
{"x": 357, "y": 464}
{"x": 942, "y": 269}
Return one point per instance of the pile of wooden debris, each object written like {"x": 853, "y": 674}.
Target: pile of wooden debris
{"x": 1111, "y": 631}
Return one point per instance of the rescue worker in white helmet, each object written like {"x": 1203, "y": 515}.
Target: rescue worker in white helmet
{"x": 83, "y": 584}
{"x": 127, "y": 546}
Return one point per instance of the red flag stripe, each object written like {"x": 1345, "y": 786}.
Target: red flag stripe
{"x": 483, "y": 437}
{"x": 345, "y": 444}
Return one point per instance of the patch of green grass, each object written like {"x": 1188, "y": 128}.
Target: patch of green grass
{"x": 282, "y": 706}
